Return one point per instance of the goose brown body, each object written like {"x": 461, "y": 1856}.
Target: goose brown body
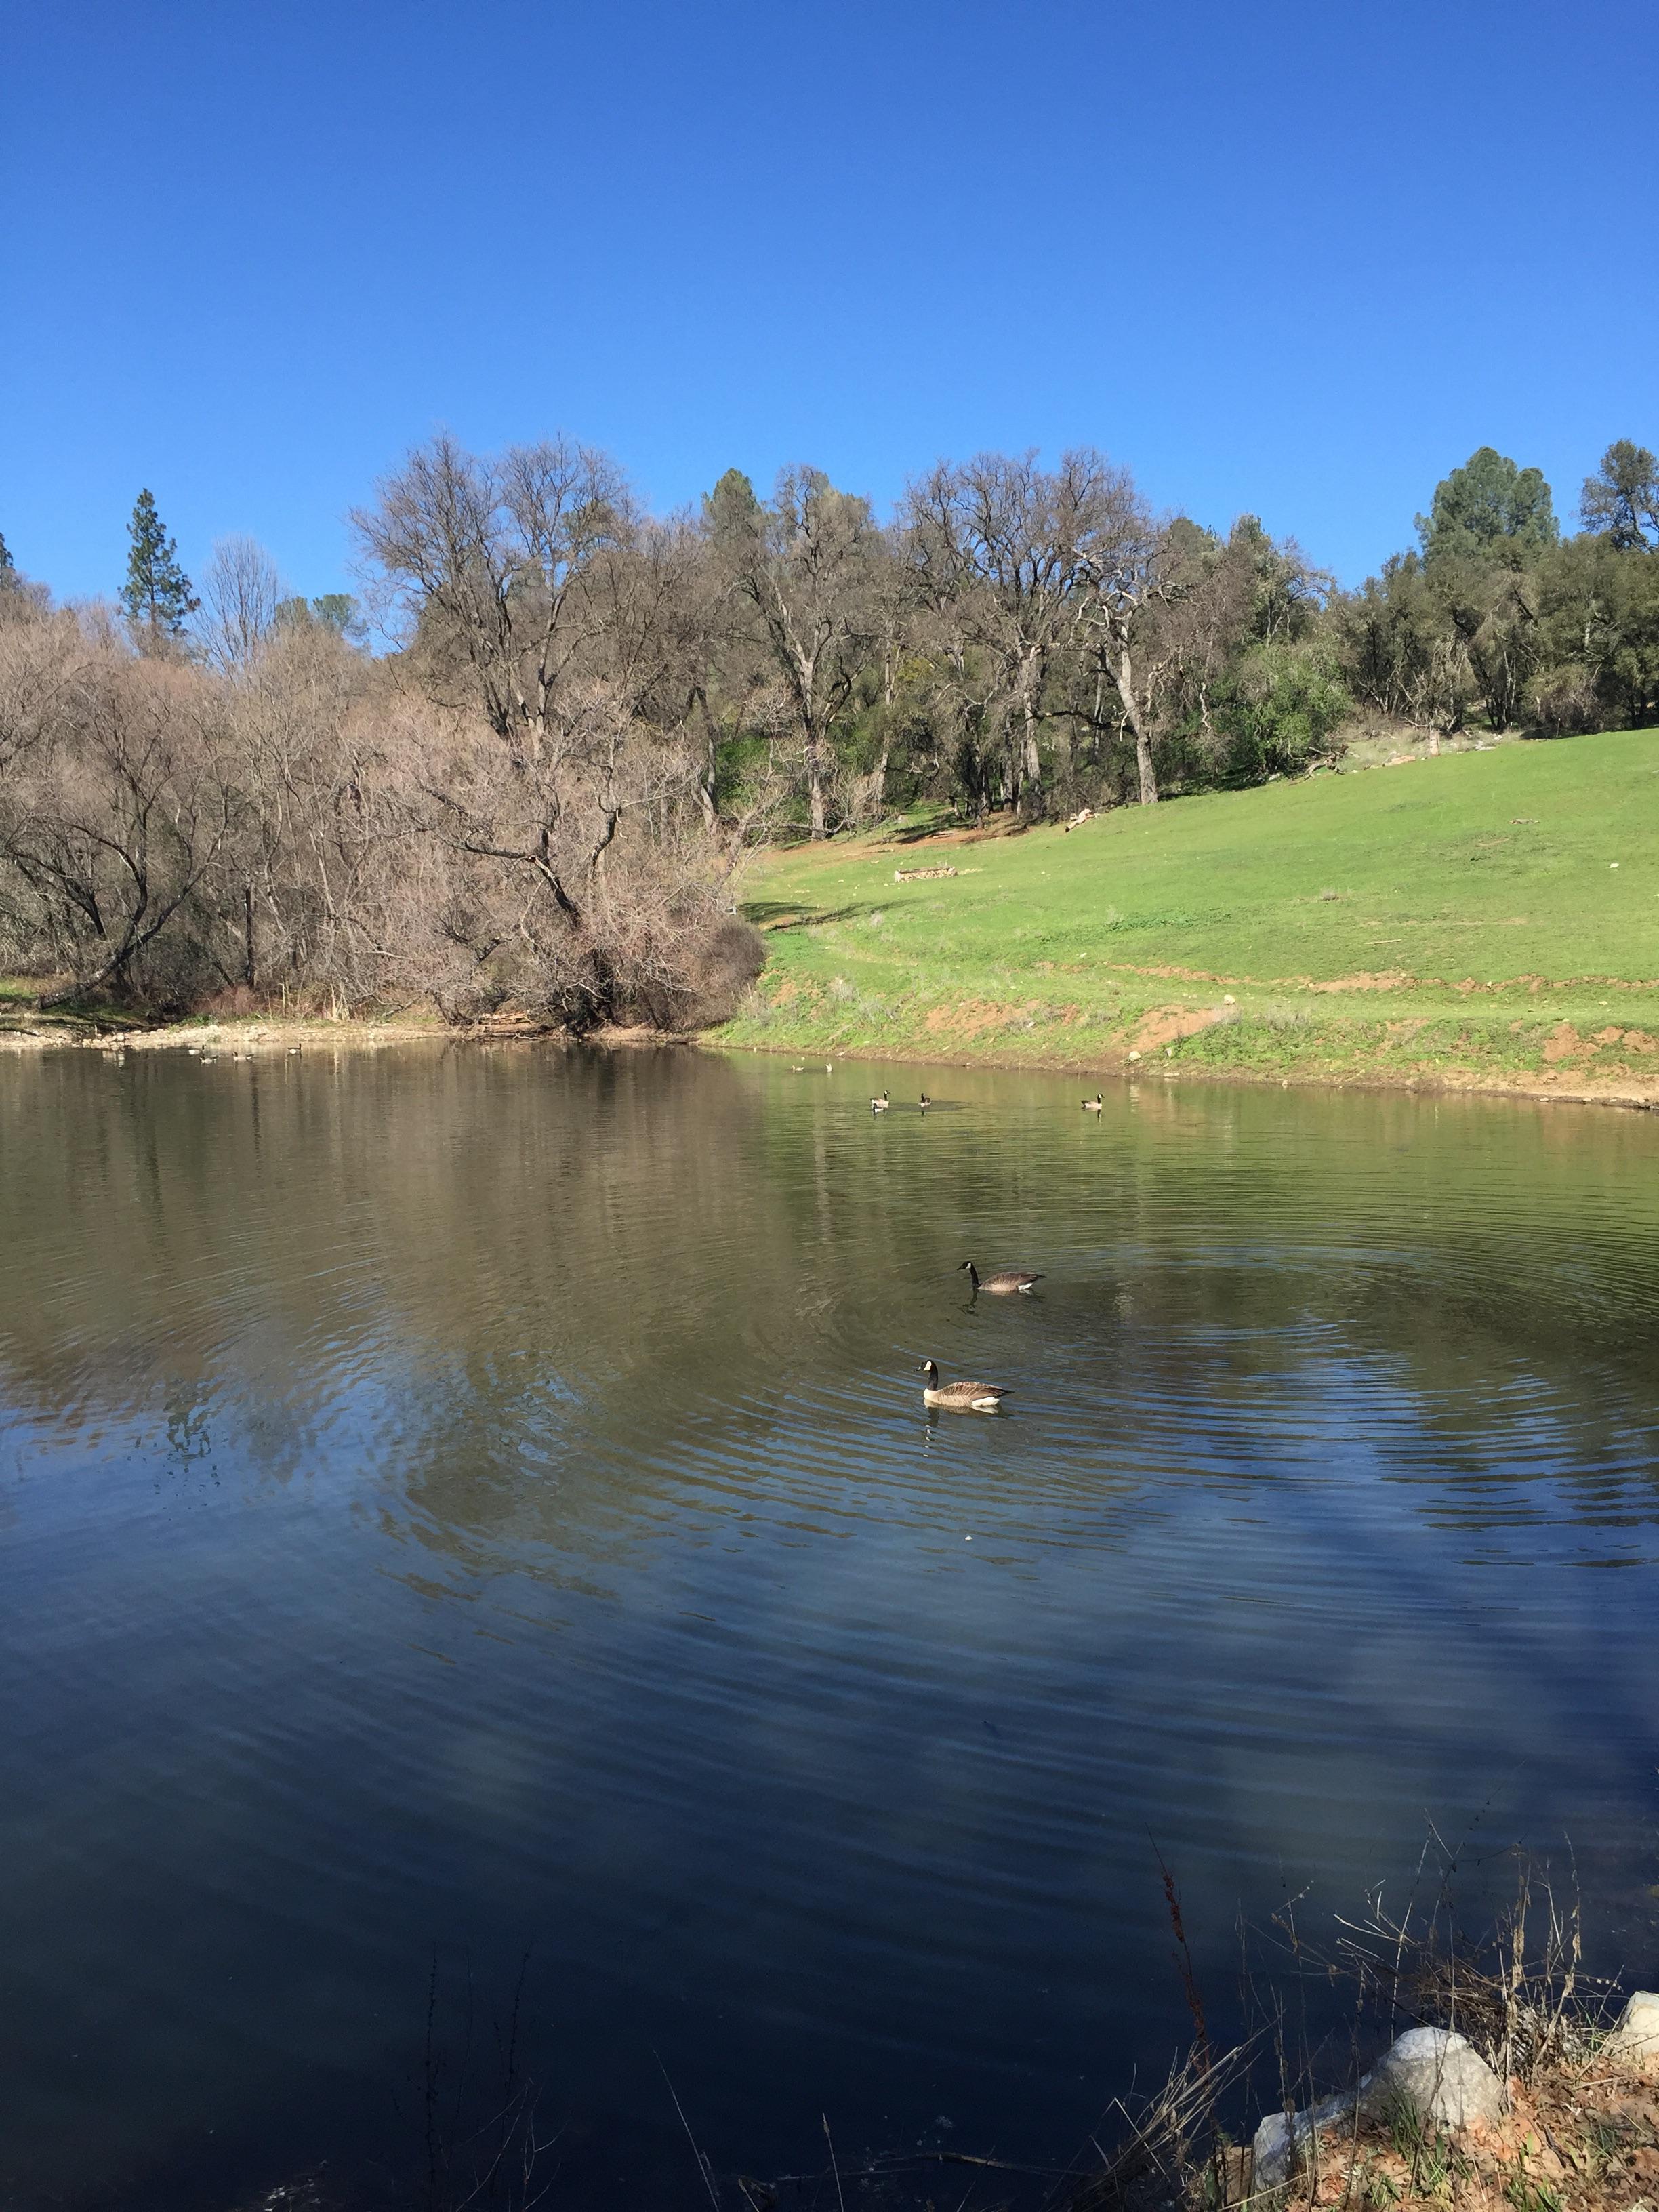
{"x": 960, "y": 1397}
{"x": 1002, "y": 1282}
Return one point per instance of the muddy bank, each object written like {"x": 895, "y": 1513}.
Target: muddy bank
{"x": 1565, "y": 1086}
{"x": 243, "y": 1038}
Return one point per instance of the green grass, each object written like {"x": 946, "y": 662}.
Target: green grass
{"x": 1459, "y": 919}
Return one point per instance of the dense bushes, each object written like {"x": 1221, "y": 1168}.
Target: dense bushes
{"x": 312, "y": 828}
{"x": 1496, "y": 621}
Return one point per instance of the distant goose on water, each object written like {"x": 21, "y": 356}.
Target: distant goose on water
{"x": 1004, "y": 1280}
{"x": 960, "y": 1397}
{"x": 880, "y": 1105}
{"x": 924, "y": 1101}
{"x": 1095, "y": 1105}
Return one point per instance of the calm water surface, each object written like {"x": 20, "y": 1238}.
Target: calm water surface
{"x": 462, "y": 1507}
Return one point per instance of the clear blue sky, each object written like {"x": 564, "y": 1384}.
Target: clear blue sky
{"x": 1298, "y": 260}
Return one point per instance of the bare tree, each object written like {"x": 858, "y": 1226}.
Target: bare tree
{"x": 128, "y": 805}
{"x": 240, "y": 592}
{"x": 483, "y": 557}
{"x": 1124, "y": 573}
{"x": 892, "y": 631}
{"x": 537, "y": 595}
{"x": 801, "y": 568}
{"x": 1001, "y": 546}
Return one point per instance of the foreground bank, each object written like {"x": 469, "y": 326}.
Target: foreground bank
{"x": 1483, "y": 920}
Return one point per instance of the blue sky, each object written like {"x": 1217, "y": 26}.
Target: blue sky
{"x": 1296, "y": 260}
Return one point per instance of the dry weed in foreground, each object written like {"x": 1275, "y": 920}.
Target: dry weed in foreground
{"x": 1580, "y": 2130}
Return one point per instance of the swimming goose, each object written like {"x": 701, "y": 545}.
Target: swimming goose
{"x": 1004, "y": 1280}
{"x": 1095, "y": 1105}
{"x": 924, "y": 1101}
{"x": 960, "y": 1397}
{"x": 880, "y": 1105}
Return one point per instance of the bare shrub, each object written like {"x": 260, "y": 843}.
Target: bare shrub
{"x": 511, "y": 813}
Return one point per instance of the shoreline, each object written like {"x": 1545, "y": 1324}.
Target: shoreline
{"x": 1462, "y": 1082}
{"x": 247, "y": 1035}
{"x": 244, "y": 1035}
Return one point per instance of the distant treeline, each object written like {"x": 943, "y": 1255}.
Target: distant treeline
{"x": 539, "y": 795}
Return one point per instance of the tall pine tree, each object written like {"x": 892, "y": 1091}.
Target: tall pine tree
{"x": 156, "y": 594}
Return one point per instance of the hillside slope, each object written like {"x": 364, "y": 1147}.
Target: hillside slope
{"x": 1485, "y": 918}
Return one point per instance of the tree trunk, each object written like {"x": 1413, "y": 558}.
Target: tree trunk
{"x": 878, "y": 783}
{"x": 1126, "y": 685}
{"x": 815, "y": 790}
{"x": 247, "y": 934}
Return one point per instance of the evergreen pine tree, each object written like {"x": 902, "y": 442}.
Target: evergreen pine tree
{"x": 730, "y": 511}
{"x": 156, "y": 594}
{"x": 1489, "y": 506}
{"x": 7, "y": 566}
{"x": 1621, "y": 500}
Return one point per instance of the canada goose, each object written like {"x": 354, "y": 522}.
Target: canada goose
{"x": 1004, "y": 1280}
{"x": 880, "y": 1105}
{"x": 1095, "y": 1105}
{"x": 924, "y": 1101}
{"x": 960, "y": 1397}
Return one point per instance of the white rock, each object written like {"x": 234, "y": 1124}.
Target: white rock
{"x": 1271, "y": 2152}
{"x": 1441, "y": 2075}
{"x": 1635, "y": 2041}
{"x": 1438, "y": 2074}
{"x": 1282, "y": 2137}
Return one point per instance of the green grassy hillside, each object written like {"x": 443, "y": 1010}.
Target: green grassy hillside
{"x": 1484, "y": 916}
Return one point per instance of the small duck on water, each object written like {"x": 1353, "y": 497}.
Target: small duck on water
{"x": 960, "y": 1397}
{"x": 880, "y": 1105}
{"x": 1095, "y": 1105}
{"x": 1004, "y": 1280}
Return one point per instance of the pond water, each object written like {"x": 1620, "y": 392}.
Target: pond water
{"x": 468, "y": 1524}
